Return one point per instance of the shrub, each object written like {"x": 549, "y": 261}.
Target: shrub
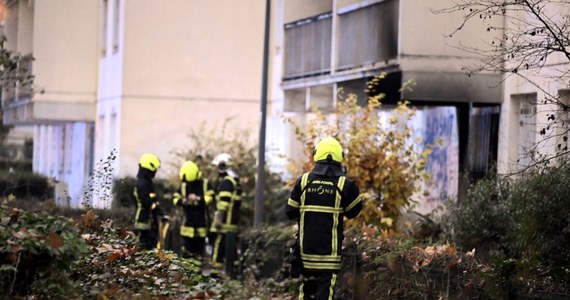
{"x": 520, "y": 225}
{"x": 33, "y": 246}
{"x": 383, "y": 159}
{"x": 540, "y": 205}
{"x": 206, "y": 144}
{"x": 25, "y": 185}
{"x": 399, "y": 268}
{"x": 483, "y": 220}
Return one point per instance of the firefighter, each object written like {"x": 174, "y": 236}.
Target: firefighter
{"x": 194, "y": 196}
{"x": 319, "y": 201}
{"x": 226, "y": 217}
{"x": 148, "y": 211}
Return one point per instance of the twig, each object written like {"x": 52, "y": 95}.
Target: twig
{"x": 15, "y": 273}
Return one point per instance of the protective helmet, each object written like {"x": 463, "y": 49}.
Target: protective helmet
{"x": 149, "y": 161}
{"x": 223, "y": 161}
{"x": 328, "y": 147}
{"x": 189, "y": 171}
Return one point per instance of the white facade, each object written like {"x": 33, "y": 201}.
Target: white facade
{"x": 126, "y": 77}
{"x": 527, "y": 106}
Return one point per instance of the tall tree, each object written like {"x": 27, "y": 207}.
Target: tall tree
{"x": 534, "y": 44}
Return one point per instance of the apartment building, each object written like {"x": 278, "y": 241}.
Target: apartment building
{"x": 341, "y": 44}
{"x": 534, "y": 115}
{"x": 117, "y": 78}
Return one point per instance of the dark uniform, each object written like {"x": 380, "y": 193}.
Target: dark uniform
{"x": 148, "y": 211}
{"x": 319, "y": 201}
{"x": 195, "y": 227}
{"x": 226, "y": 219}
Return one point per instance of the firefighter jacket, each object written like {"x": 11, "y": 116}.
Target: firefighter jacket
{"x": 146, "y": 201}
{"x": 195, "y": 212}
{"x": 228, "y": 202}
{"x": 319, "y": 201}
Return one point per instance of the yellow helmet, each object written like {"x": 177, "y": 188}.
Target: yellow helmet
{"x": 328, "y": 147}
{"x": 189, "y": 171}
{"x": 149, "y": 161}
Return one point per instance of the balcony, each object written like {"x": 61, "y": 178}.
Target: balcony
{"x": 20, "y": 107}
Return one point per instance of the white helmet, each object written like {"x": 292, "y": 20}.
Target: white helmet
{"x": 223, "y": 161}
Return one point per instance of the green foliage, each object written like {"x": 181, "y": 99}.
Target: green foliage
{"x": 115, "y": 267}
{"x": 206, "y": 144}
{"x": 25, "y": 185}
{"x": 123, "y": 188}
{"x": 402, "y": 269}
{"x": 382, "y": 158}
{"x": 482, "y": 220}
{"x": 266, "y": 272}
{"x": 540, "y": 207}
{"x": 33, "y": 246}
{"x": 521, "y": 225}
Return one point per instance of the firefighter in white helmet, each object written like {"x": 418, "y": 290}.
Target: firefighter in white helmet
{"x": 226, "y": 218}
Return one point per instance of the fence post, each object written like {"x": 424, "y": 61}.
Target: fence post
{"x": 230, "y": 254}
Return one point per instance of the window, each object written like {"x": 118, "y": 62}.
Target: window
{"x": 116, "y": 22}
{"x": 527, "y": 130}
{"x": 562, "y": 117}
{"x": 104, "y": 20}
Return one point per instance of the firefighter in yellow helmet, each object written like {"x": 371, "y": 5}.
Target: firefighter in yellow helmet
{"x": 319, "y": 201}
{"x": 148, "y": 211}
{"x": 226, "y": 218}
{"x": 194, "y": 196}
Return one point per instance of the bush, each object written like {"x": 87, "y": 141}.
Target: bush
{"x": 540, "y": 206}
{"x": 384, "y": 160}
{"x": 206, "y": 144}
{"x": 520, "y": 225}
{"x": 33, "y": 246}
{"x": 483, "y": 220}
{"x": 25, "y": 185}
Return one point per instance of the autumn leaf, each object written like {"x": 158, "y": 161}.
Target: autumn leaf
{"x": 54, "y": 240}
{"x": 22, "y": 233}
{"x": 426, "y": 262}
{"x": 15, "y": 215}
{"x": 104, "y": 248}
{"x": 114, "y": 256}
{"x": 450, "y": 250}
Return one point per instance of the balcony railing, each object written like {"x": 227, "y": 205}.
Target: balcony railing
{"x": 308, "y": 46}
{"x": 365, "y": 35}
{"x": 368, "y": 35}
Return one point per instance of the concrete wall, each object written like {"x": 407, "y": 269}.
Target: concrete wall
{"x": 183, "y": 64}
{"x": 300, "y": 9}
{"x": 65, "y": 50}
{"x": 423, "y": 45}
{"x": 544, "y": 83}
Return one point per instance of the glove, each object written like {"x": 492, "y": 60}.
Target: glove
{"x": 192, "y": 199}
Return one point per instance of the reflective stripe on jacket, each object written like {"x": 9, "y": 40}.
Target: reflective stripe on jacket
{"x": 228, "y": 202}
{"x": 320, "y": 203}
{"x": 195, "y": 214}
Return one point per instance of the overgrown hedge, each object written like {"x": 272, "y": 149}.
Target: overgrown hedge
{"x": 33, "y": 247}
{"x": 25, "y": 185}
{"x": 521, "y": 226}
